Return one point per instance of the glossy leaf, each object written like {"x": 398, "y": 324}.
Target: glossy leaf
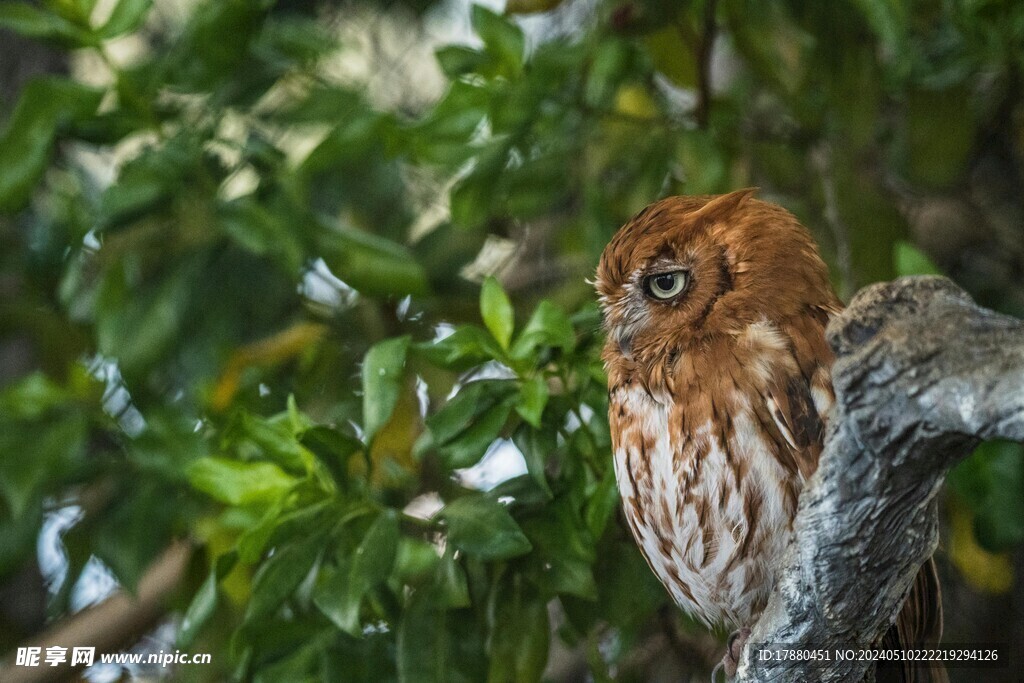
{"x": 340, "y": 597}
{"x": 533, "y": 396}
{"x": 464, "y": 410}
{"x": 204, "y": 602}
{"x": 382, "y": 382}
{"x": 374, "y": 265}
{"x": 239, "y": 483}
{"x": 279, "y": 575}
{"x": 456, "y": 60}
{"x": 501, "y": 36}
{"x": 520, "y": 637}
{"x": 37, "y": 452}
{"x": 467, "y": 347}
{"x": 548, "y": 326}
{"x": 46, "y": 107}
{"x": 423, "y": 642}
{"x": 496, "y": 311}
{"x": 34, "y": 22}
{"x": 537, "y": 446}
{"x": 483, "y": 528}
{"x": 126, "y": 16}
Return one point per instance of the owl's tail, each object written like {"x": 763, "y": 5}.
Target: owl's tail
{"x": 919, "y": 624}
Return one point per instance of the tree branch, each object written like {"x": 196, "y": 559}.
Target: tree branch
{"x": 109, "y": 625}
{"x": 922, "y": 374}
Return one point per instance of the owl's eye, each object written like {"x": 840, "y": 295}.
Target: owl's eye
{"x": 665, "y": 285}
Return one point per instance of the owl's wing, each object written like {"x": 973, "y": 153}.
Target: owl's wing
{"x": 918, "y": 625}
{"x": 797, "y": 418}
{"x": 800, "y": 394}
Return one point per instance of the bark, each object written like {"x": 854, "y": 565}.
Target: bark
{"x": 922, "y": 375}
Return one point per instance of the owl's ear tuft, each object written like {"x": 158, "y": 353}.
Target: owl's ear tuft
{"x": 723, "y": 205}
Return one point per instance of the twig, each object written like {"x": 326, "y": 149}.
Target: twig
{"x": 821, "y": 160}
{"x": 704, "y": 52}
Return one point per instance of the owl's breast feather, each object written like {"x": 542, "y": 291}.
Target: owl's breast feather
{"x": 707, "y": 506}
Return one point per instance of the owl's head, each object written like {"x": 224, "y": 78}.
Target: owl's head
{"x": 686, "y": 268}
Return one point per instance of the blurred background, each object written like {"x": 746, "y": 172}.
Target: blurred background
{"x": 296, "y": 346}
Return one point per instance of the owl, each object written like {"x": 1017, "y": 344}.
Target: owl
{"x": 719, "y": 385}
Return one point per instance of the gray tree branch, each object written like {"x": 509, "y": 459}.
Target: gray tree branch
{"x": 922, "y": 374}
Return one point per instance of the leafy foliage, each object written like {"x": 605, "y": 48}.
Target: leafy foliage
{"x": 262, "y": 350}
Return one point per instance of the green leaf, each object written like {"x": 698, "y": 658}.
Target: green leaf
{"x": 45, "y": 108}
{"x": 628, "y": 592}
{"x": 548, "y": 326}
{"x": 496, "y": 311}
{"x": 275, "y": 439}
{"x": 127, "y": 546}
{"x": 609, "y": 65}
{"x": 278, "y": 577}
{"x": 465, "y": 348}
{"x": 457, "y": 60}
{"x": 153, "y": 178}
{"x": 239, "y": 483}
{"x": 999, "y": 525}
{"x": 890, "y": 21}
{"x": 138, "y": 325}
{"x": 423, "y": 643}
{"x": 341, "y": 596}
{"x": 444, "y": 135}
{"x": 415, "y": 562}
{"x": 563, "y": 550}
{"x": 450, "y": 581}
{"x": 126, "y": 17}
{"x": 204, "y": 602}
{"x": 382, "y": 382}
{"x": 536, "y": 445}
{"x": 473, "y": 400}
{"x": 333, "y": 448}
{"x": 199, "y": 611}
{"x": 502, "y": 38}
{"x": 483, "y": 528}
{"x": 470, "y": 422}
{"x": 372, "y": 264}
{"x": 467, "y": 449}
{"x": 31, "y": 397}
{"x": 36, "y": 454}
{"x": 254, "y": 540}
{"x": 291, "y": 41}
{"x": 255, "y": 226}
{"x": 18, "y": 539}
{"x": 437, "y": 645}
{"x": 520, "y": 637}
{"x": 212, "y": 46}
{"x": 533, "y": 396}
{"x": 909, "y": 260}
{"x": 33, "y": 22}
{"x": 602, "y": 504}
{"x": 75, "y": 10}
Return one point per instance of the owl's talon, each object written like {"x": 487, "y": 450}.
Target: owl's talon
{"x": 733, "y": 650}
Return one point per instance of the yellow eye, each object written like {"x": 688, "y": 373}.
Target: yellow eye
{"x": 665, "y": 285}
